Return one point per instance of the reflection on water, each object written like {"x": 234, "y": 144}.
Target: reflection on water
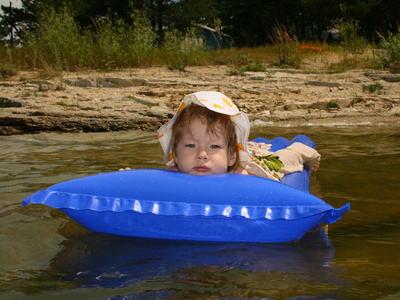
{"x": 46, "y": 255}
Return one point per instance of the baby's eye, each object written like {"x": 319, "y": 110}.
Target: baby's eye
{"x": 215, "y": 146}
{"x": 190, "y": 145}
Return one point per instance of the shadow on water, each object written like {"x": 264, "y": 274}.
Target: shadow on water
{"x": 146, "y": 268}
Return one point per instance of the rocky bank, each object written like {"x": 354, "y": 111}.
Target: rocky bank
{"x": 146, "y": 98}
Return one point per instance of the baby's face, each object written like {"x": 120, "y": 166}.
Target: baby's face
{"x": 201, "y": 153}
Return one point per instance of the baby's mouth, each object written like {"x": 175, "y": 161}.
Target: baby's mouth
{"x": 201, "y": 169}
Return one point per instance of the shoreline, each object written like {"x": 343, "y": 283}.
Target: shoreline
{"x": 145, "y": 99}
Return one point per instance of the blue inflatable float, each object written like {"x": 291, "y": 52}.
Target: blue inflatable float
{"x": 172, "y": 205}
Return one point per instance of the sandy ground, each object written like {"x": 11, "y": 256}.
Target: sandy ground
{"x": 146, "y": 98}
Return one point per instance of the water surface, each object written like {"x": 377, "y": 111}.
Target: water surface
{"x": 46, "y": 255}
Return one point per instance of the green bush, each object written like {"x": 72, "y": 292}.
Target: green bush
{"x": 286, "y": 44}
{"x": 182, "y": 49}
{"x": 349, "y": 32}
{"x": 332, "y": 104}
{"x": 372, "y": 88}
{"x": 114, "y": 39}
{"x": 122, "y": 44}
{"x": 57, "y": 41}
{"x": 390, "y": 50}
{"x": 145, "y": 41}
{"x": 59, "y": 44}
{"x": 7, "y": 68}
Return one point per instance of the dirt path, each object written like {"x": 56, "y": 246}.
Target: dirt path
{"x": 146, "y": 98}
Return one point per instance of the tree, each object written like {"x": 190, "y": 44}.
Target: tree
{"x": 11, "y": 23}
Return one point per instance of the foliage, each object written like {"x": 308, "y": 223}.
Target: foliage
{"x": 241, "y": 64}
{"x": 57, "y": 41}
{"x": 286, "y": 45}
{"x": 332, "y": 104}
{"x": 7, "y": 68}
{"x": 349, "y": 32}
{"x": 122, "y": 44}
{"x": 257, "y": 66}
{"x": 389, "y": 52}
{"x": 182, "y": 49}
{"x": 12, "y": 23}
{"x": 60, "y": 44}
{"x": 248, "y": 22}
{"x": 144, "y": 45}
{"x": 84, "y": 34}
{"x": 372, "y": 88}
{"x": 347, "y": 62}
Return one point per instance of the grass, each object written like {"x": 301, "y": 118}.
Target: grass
{"x": 239, "y": 61}
{"x": 59, "y": 45}
{"x": 372, "y": 88}
{"x": 332, "y": 104}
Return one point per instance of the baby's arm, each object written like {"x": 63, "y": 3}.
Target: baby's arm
{"x": 240, "y": 170}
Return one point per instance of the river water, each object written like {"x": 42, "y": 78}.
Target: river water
{"x": 46, "y": 255}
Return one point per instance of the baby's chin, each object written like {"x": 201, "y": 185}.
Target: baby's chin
{"x": 201, "y": 173}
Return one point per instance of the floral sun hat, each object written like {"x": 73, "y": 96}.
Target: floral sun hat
{"x": 214, "y": 101}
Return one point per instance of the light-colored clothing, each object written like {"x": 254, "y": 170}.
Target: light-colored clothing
{"x": 292, "y": 159}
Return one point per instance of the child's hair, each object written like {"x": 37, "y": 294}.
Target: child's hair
{"x": 216, "y": 124}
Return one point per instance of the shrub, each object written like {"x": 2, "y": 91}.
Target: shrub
{"x": 144, "y": 40}
{"x": 349, "y": 32}
{"x": 111, "y": 35}
{"x": 390, "y": 50}
{"x": 182, "y": 49}
{"x": 285, "y": 43}
{"x": 254, "y": 67}
{"x": 57, "y": 41}
{"x": 332, "y": 104}
{"x": 372, "y": 88}
{"x": 7, "y": 68}
{"x": 121, "y": 44}
{"x": 345, "y": 64}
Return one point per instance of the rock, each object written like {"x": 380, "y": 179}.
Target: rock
{"x": 41, "y": 82}
{"x": 322, "y": 83}
{"x": 266, "y": 112}
{"x": 395, "y": 68}
{"x": 395, "y": 111}
{"x": 267, "y": 90}
{"x": 321, "y": 104}
{"x": 106, "y": 84}
{"x": 257, "y": 77}
{"x": 5, "y": 102}
{"x": 303, "y": 105}
{"x": 121, "y": 82}
{"x": 146, "y": 101}
{"x": 360, "y": 80}
{"x": 393, "y": 100}
{"x": 161, "y": 112}
{"x": 88, "y": 82}
{"x": 392, "y": 78}
{"x": 343, "y": 102}
{"x": 252, "y": 91}
{"x": 230, "y": 86}
{"x": 290, "y": 106}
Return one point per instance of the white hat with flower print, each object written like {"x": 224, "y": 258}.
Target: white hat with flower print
{"x": 214, "y": 101}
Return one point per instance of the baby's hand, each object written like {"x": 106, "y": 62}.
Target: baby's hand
{"x": 126, "y": 169}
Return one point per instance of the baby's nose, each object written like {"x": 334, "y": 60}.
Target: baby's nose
{"x": 202, "y": 154}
